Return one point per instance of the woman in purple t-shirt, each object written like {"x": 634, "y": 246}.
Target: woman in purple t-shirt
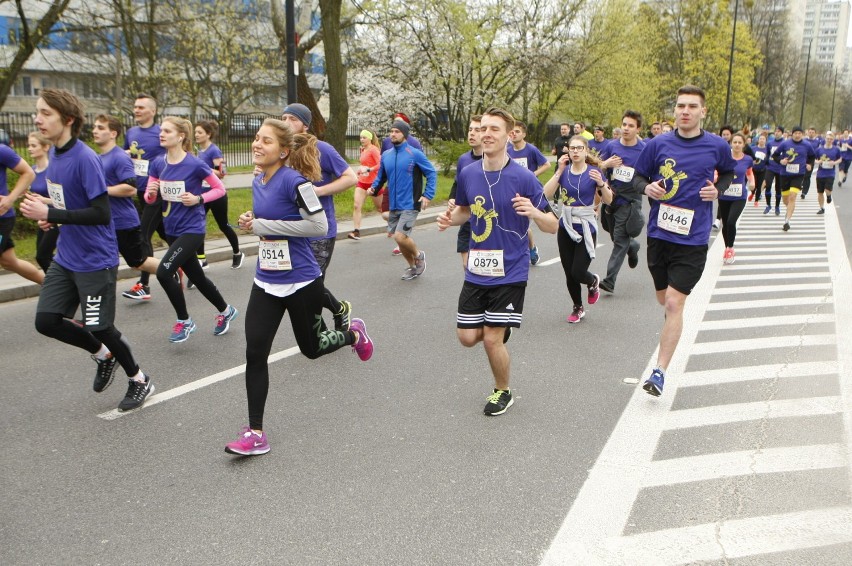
{"x": 581, "y": 186}
{"x": 178, "y": 176}
{"x": 211, "y": 155}
{"x": 38, "y": 147}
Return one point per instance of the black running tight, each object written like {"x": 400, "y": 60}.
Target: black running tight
{"x": 219, "y": 208}
{"x": 730, "y": 211}
{"x": 56, "y": 326}
{"x": 575, "y": 262}
{"x": 264, "y": 314}
{"x": 182, "y": 254}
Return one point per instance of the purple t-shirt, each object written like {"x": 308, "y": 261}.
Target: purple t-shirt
{"x": 797, "y": 154}
{"x": 495, "y": 225}
{"x": 761, "y": 156}
{"x": 333, "y": 167}
{"x": 144, "y": 146}
{"x": 685, "y": 165}
{"x": 278, "y": 200}
{"x": 39, "y": 185}
{"x": 823, "y": 155}
{"x": 8, "y": 160}
{"x": 74, "y": 179}
{"x": 739, "y": 186}
{"x": 621, "y": 178}
{"x": 772, "y": 147}
{"x": 177, "y": 177}
{"x": 578, "y": 190}
{"x": 210, "y": 154}
{"x": 597, "y": 148}
{"x": 118, "y": 167}
{"x": 529, "y": 156}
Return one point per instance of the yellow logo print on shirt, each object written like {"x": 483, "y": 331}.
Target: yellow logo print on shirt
{"x": 791, "y": 154}
{"x": 667, "y": 170}
{"x": 479, "y": 211}
{"x": 136, "y": 152}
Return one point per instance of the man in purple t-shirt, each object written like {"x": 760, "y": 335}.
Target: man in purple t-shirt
{"x": 676, "y": 172}
{"x": 84, "y": 269}
{"x": 121, "y": 186}
{"x": 529, "y": 156}
{"x": 337, "y": 177}
{"x": 142, "y": 144}
{"x": 499, "y": 198}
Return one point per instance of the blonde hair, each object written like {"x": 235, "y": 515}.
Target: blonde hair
{"x": 40, "y": 138}
{"x": 183, "y": 126}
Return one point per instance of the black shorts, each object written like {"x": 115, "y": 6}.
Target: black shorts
{"x": 63, "y": 291}
{"x": 824, "y": 184}
{"x": 787, "y": 184}
{"x": 6, "y": 226}
{"x": 131, "y": 247}
{"x": 502, "y": 305}
{"x": 463, "y": 241}
{"x": 322, "y": 252}
{"x": 675, "y": 265}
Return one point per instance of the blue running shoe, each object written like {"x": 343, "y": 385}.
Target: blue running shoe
{"x": 534, "y": 257}
{"x": 223, "y": 321}
{"x": 654, "y": 384}
{"x": 181, "y": 331}
{"x": 767, "y": 209}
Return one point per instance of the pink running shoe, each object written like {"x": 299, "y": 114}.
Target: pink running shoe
{"x": 363, "y": 346}
{"x": 396, "y": 251}
{"x": 594, "y": 290}
{"x": 576, "y": 315}
{"x": 248, "y": 444}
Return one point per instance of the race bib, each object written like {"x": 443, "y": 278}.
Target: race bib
{"x": 488, "y": 263}
{"x": 624, "y": 174}
{"x": 172, "y": 190}
{"x": 522, "y": 161}
{"x": 274, "y": 255}
{"x": 844, "y": 147}
{"x": 56, "y": 195}
{"x": 826, "y": 164}
{"x": 792, "y": 168}
{"x": 760, "y": 155}
{"x": 140, "y": 167}
{"x": 734, "y": 190}
{"x": 675, "y": 219}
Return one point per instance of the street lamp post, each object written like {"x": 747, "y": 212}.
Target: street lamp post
{"x": 805, "y": 87}
{"x": 292, "y": 65}
{"x": 833, "y": 96}
{"x": 731, "y": 62}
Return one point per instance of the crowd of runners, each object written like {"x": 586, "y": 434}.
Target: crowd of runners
{"x": 92, "y": 206}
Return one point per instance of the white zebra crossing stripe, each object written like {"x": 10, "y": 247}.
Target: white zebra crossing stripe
{"x": 738, "y": 412}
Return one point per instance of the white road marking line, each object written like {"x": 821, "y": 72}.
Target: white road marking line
{"x": 773, "y": 266}
{"x": 548, "y": 262}
{"x": 748, "y": 248}
{"x": 747, "y": 257}
{"x": 743, "y": 463}
{"x": 771, "y": 276}
{"x": 712, "y": 542}
{"x": 766, "y": 371}
{"x": 759, "y": 343}
{"x": 765, "y": 321}
{"x": 195, "y": 385}
{"x": 765, "y": 291}
{"x": 806, "y": 236}
{"x": 758, "y": 410}
{"x": 767, "y": 303}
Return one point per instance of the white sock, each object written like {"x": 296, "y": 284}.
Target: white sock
{"x": 225, "y": 312}
{"x": 139, "y": 377}
{"x": 103, "y": 353}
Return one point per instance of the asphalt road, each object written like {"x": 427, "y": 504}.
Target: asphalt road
{"x": 390, "y": 461}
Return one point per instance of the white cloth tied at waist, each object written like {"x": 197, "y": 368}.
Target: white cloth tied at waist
{"x": 588, "y": 220}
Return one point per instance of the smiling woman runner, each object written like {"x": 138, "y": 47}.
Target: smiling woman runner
{"x": 178, "y": 176}
{"x": 287, "y": 213}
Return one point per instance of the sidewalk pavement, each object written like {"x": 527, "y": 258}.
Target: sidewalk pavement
{"x": 14, "y": 287}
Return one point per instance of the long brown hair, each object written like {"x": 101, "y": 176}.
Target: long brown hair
{"x": 590, "y": 159}
{"x": 303, "y": 155}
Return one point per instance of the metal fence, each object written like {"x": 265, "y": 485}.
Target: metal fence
{"x": 235, "y": 137}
